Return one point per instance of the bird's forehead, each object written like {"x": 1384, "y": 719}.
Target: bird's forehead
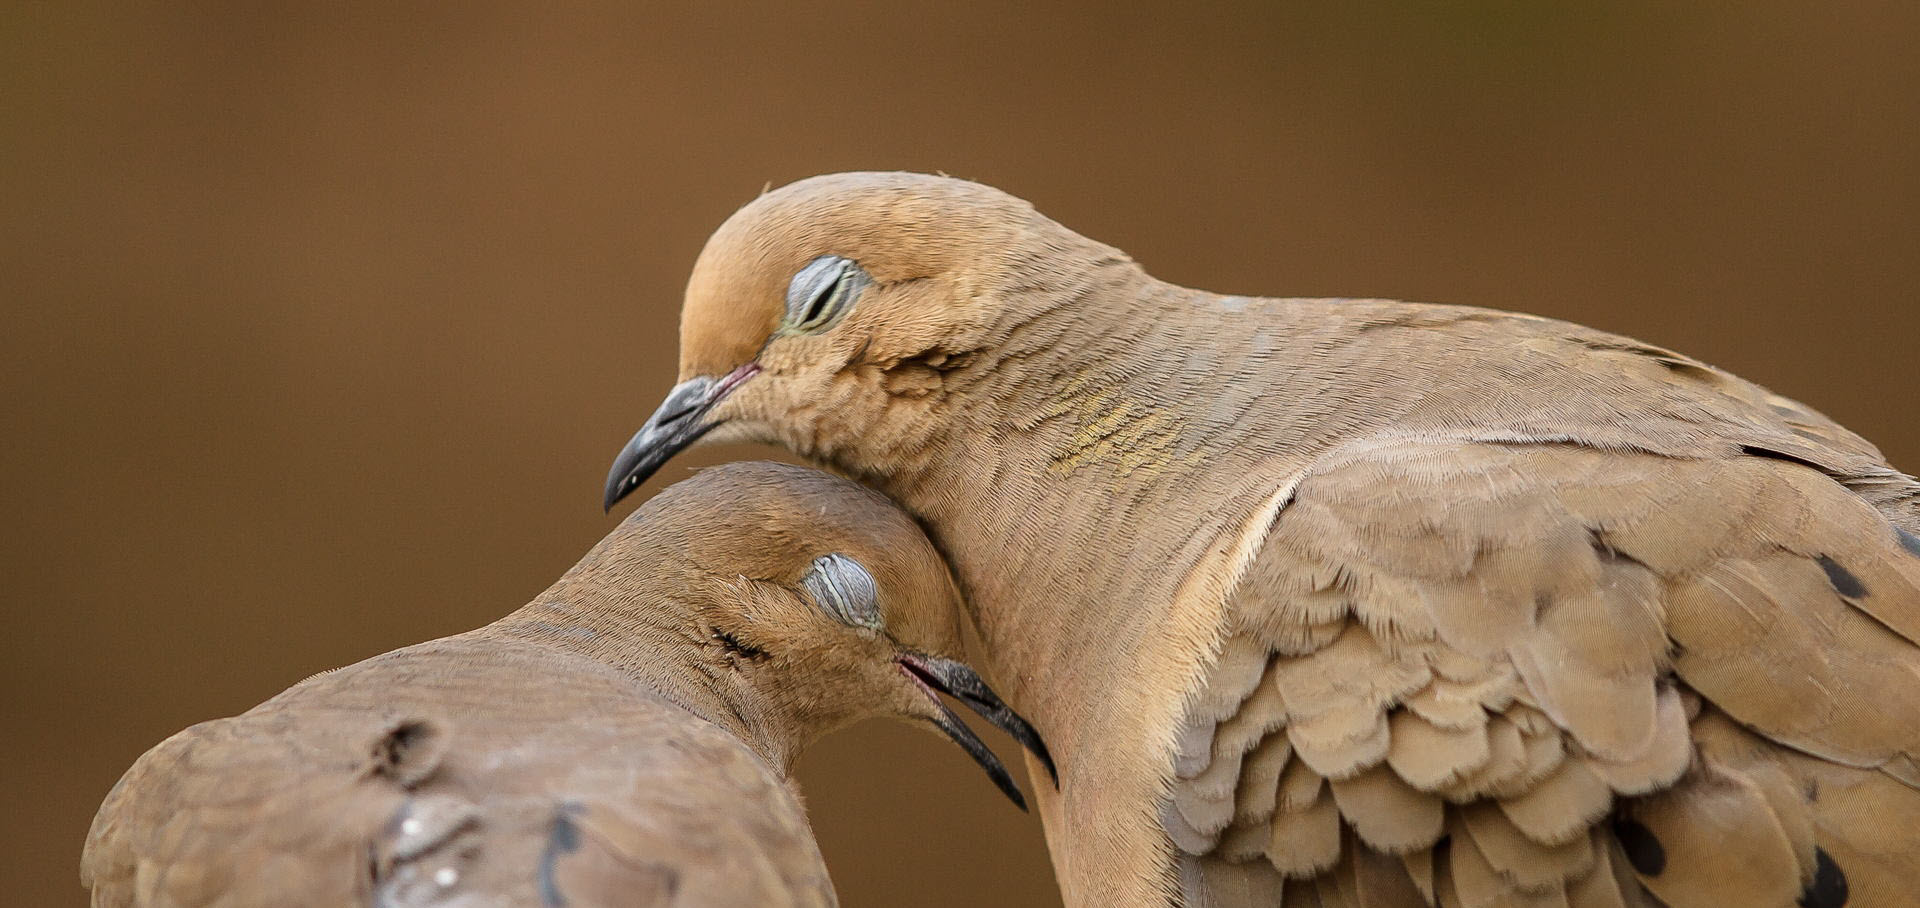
{"x": 731, "y": 308}
{"x": 896, "y": 226}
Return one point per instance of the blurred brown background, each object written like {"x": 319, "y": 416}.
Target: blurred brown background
{"x": 322, "y": 322}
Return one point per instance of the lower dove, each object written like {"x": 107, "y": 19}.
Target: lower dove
{"x": 624, "y": 739}
{"x": 1346, "y": 602}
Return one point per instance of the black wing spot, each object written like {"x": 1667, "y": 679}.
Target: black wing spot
{"x": 1603, "y": 548}
{"x": 1842, "y": 579}
{"x": 1829, "y": 886}
{"x": 408, "y": 752}
{"x": 1771, "y": 454}
{"x": 1688, "y": 368}
{"x": 1644, "y": 852}
{"x": 563, "y": 839}
{"x": 1908, "y": 541}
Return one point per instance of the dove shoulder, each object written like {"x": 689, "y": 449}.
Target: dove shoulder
{"x": 1325, "y": 372}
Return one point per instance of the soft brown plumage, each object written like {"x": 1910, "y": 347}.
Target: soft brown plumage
{"x": 624, "y": 739}
{"x": 1350, "y": 599}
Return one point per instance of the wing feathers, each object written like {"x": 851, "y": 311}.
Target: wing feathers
{"x": 1457, "y": 660}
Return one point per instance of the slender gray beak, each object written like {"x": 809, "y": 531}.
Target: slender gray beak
{"x": 679, "y": 422}
{"x": 963, "y": 684}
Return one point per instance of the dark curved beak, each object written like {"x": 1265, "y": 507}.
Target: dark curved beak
{"x": 679, "y": 422}
{"x": 961, "y": 683}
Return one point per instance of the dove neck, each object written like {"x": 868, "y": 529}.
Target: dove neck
{"x": 1089, "y": 484}
{"x": 656, "y": 639}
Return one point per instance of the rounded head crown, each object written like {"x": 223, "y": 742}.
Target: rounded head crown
{"x": 898, "y": 227}
{"x": 805, "y": 531}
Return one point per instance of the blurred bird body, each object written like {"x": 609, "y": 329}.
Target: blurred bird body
{"x": 624, "y": 739}
{"x": 470, "y": 770}
{"x": 1359, "y": 601}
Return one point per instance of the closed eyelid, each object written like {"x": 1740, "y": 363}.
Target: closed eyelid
{"x": 844, "y": 589}
{"x": 822, "y": 291}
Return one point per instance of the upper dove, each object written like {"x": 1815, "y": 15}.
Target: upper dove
{"x": 622, "y": 740}
{"x": 1357, "y": 602}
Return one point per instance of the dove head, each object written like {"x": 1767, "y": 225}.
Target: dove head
{"x": 794, "y": 603}
{"x": 836, "y": 312}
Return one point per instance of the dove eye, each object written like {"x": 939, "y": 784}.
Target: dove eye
{"x": 822, "y": 291}
{"x": 844, "y": 589}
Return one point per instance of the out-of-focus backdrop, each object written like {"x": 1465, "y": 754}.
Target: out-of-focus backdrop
{"x": 319, "y": 323}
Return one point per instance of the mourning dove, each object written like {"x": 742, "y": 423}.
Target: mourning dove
{"x": 624, "y": 739}
{"x": 1356, "y": 601}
